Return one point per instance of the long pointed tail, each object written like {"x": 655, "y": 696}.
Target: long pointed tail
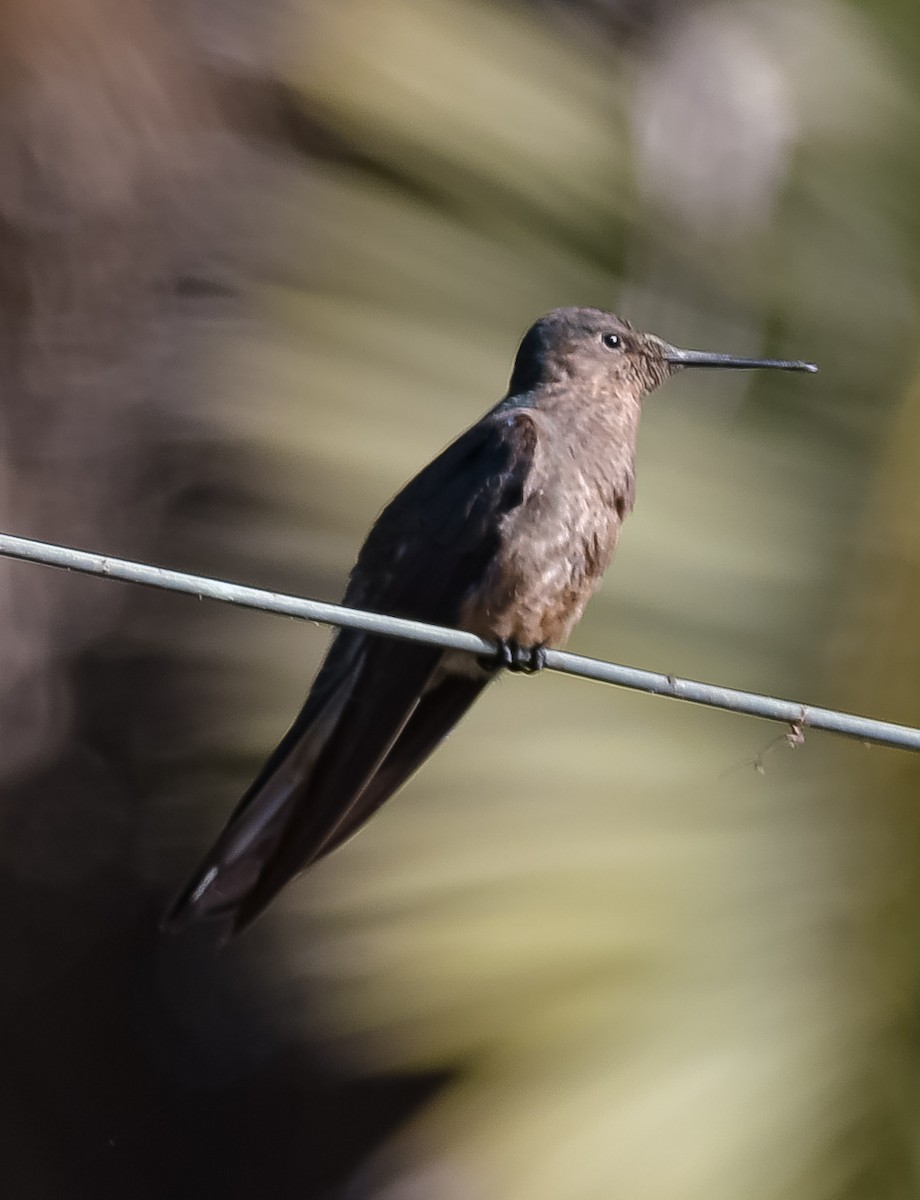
{"x": 309, "y": 793}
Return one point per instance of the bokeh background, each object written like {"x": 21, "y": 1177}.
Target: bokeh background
{"x": 259, "y": 261}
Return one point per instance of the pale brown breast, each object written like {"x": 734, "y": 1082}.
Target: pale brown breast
{"x": 555, "y": 546}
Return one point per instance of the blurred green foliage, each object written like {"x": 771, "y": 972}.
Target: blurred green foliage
{"x": 666, "y": 954}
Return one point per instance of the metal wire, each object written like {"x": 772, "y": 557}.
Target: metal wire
{"x": 770, "y": 707}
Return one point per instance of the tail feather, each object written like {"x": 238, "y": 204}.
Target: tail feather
{"x": 437, "y": 713}
{"x": 311, "y": 787}
{"x": 233, "y": 865}
{"x": 379, "y": 709}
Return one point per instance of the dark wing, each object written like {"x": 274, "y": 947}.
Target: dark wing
{"x": 433, "y": 718}
{"x": 368, "y": 721}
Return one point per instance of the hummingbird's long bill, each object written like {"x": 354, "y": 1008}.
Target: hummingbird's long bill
{"x": 703, "y": 358}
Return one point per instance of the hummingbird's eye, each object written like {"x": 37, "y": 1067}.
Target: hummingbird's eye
{"x": 611, "y": 340}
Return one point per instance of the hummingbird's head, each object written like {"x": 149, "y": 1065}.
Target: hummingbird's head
{"x": 598, "y": 354}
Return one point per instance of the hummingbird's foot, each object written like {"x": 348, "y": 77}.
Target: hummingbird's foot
{"x": 525, "y": 660}
{"x": 529, "y": 659}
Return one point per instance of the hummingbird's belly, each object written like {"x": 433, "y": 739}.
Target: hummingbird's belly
{"x": 550, "y": 561}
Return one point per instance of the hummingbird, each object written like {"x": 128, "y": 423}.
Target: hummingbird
{"x": 506, "y": 534}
